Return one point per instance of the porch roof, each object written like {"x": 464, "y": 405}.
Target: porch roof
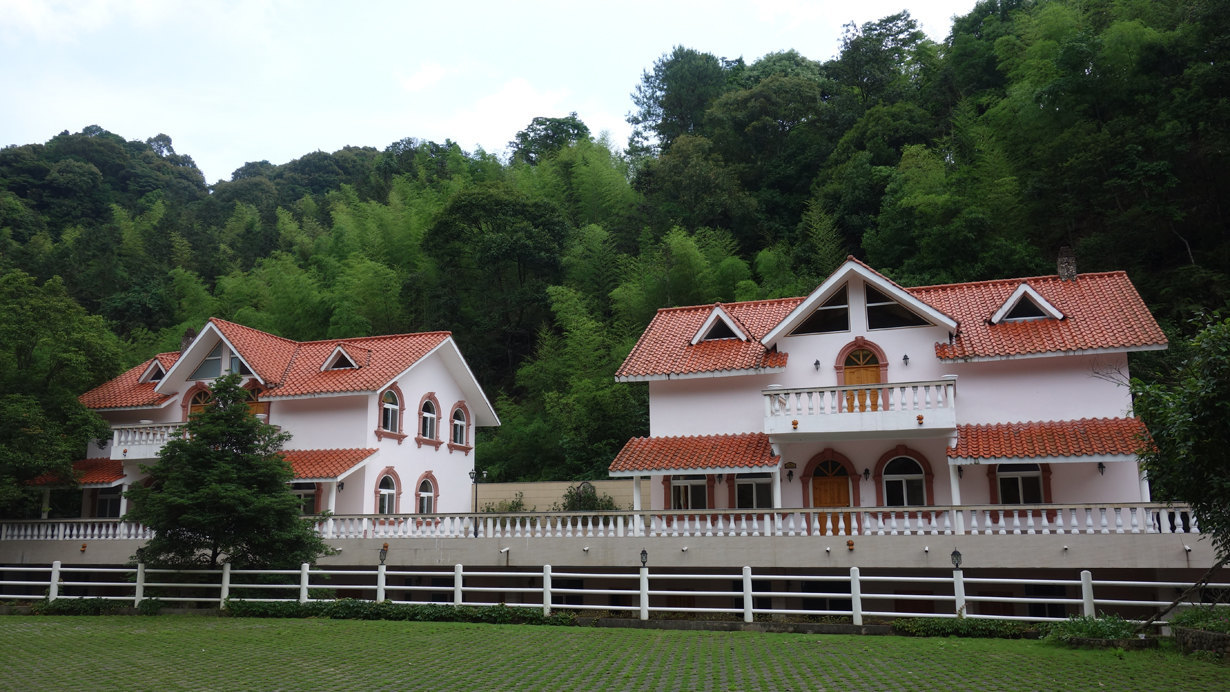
{"x": 324, "y": 464}
{"x": 643, "y": 456}
{"x": 1086, "y": 439}
{"x": 90, "y": 473}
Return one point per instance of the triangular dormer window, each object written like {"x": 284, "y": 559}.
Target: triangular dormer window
{"x": 719, "y": 325}
{"x": 220, "y": 359}
{"x": 885, "y": 313}
{"x": 339, "y": 360}
{"x": 832, "y": 316}
{"x": 1025, "y": 304}
{"x": 154, "y": 373}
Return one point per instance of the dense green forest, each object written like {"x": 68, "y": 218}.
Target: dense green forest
{"x": 1103, "y": 125}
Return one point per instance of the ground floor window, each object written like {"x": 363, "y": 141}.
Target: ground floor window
{"x": 108, "y": 502}
{"x": 388, "y": 496}
{"x": 1019, "y": 484}
{"x": 306, "y": 493}
{"x": 426, "y": 498}
{"x": 688, "y": 492}
{"x": 754, "y": 491}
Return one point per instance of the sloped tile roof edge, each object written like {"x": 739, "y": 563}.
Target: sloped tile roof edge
{"x": 1043, "y": 439}
{"x": 693, "y": 453}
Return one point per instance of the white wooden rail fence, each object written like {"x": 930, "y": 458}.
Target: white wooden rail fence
{"x": 1117, "y": 518}
{"x": 462, "y": 587}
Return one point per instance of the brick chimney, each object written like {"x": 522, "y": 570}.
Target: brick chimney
{"x": 186, "y": 340}
{"x": 1067, "y": 263}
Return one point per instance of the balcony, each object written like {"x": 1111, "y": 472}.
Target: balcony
{"x": 142, "y": 441}
{"x": 913, "y": 409}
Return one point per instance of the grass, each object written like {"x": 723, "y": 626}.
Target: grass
{"x": 196, "y": 653}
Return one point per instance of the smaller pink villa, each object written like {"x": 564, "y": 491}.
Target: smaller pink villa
{"x": 379, "y": 425}
{"x": 865, "y": 393}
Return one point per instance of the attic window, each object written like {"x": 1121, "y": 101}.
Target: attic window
{"x": 832, "y": 316}
{"x": 211, "y": 366}
{"x": 1025, "y": 304}
{"x": 885, "y": 313}
{"x": 339, "y": 360}
{"x": 156, "y": 373}
{"x": 720, "y": 330}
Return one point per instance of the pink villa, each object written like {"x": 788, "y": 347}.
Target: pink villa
{"x": 866, "y": 394}
{"x": 379, "y": 425}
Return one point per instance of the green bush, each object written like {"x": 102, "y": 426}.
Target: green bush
{"x": 79, "y": 606}
{"x": 517, "y": 504}
{"x": 1089, "y": 627}
{"x": 967, "y": 627}
{"x": 349, "y": 609}
{"x": 1210, "y": 619}
{"x": 149, "y": 606}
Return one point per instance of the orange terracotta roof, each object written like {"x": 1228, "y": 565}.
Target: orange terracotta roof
{"x": 324, "y": 463}
{"x": 1101, "y": 311}
{"x": 268, "y": 355}
{"x": 1070, "y": 438}
{"x": 125, "y": 391}
{"x": 691, "y": 454}
{"x": 666, "y": 346}
{"x": 96, "y": 472}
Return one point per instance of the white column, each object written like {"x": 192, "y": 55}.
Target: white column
{"x": 123, "y": 502}
{"x": 954, "y": 482}
{"x": 1145, "y": 495}
{"x": 777, "y": 488}
{"x": 332, "y": 497}
{"x": 46, "y": 506}
{"x": 636, "y": 493}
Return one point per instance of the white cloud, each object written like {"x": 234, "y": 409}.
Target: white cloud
{"x": 428, "y": 75}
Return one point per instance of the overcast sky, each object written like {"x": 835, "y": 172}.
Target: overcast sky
{"x": 232, "y": 82}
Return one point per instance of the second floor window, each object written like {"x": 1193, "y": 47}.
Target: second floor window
{"x": 389, "y": 412}
{"x": 753, "y": 490}
{"x": 903, "y": 483}
{"x": 1019, "y": 484}
{"x": 427, "y": 498}
{"x": 427, "y": 428}
{"x": 459, "y": 427}
{"x": 689, "y": 492}
{"x": 388, "y": 496}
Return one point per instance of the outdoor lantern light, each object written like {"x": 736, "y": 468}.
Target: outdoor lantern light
{"x": 960, "y": 472}
{"x": 1101, "y": 469}
{"x": 789, "y": 475}
{"x": 817, "y": 363}
{"x": 905, "y": 360}
{"x": 644, "y": 557}
{"x": 866, "y": 474}
{"x": 956, "y": 558}
{"x": 384, "y": 552}
{"x": 341, "y": 485}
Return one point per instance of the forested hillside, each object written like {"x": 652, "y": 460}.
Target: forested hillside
{"x": 1103, "y": 125}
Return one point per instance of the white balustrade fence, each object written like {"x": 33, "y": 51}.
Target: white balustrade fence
{"x": 744, "y": 593}
{"x": 1110, "y": 518}
{"x": 919, "y": 397}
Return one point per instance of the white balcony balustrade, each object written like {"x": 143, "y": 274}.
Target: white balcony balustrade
{"x": 142, "y": 441}
{"x": 919, "y": 409}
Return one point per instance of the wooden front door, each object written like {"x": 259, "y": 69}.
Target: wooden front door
{"x": 862, "y": 367}
{"x": 830, "y": 487}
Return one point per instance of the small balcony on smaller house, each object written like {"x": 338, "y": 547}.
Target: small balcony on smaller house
{"x": 916, "y": 409}
{"x": 141, "y": 441}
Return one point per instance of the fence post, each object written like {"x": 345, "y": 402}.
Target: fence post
{"x": 546, "y": 590}
{"x": 856, "y": 597}
{"x": 53, "y": 591}
{"x": 644, "y": 593}
{"x": 303, "y": 583}
{"x": 225, "y": 592}
{"x": 1088, "y": 608}
{"x": 958, "y": 591}
{"x": 380, "y": 582}
{"x": 748, "y": 615}
{"x": 139, "y": 594}
{"x": 458, "y": 599}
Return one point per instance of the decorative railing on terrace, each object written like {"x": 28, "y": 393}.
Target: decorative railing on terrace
{"x": 861, "y": 409}
{"x": 142, "y": 441}
{"x": 1119, "y": 518}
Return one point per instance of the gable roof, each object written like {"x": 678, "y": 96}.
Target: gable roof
{"x": 127, "y": 390}
{"x": 1097, "y": 437}
{"x": 702, "y": 453}
{"x": 293, "y": 369}
{"x": 1101, "y": 312}
{"x": 666, "y": 350}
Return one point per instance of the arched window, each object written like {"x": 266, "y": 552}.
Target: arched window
{"x": 1019, "y": 484}
{"x": 199, "y": 401}
{"x": 427, "y": 497}
{"x": 427, "y": 425}
{"x": 459, "y": 427}
{"x": 390, "y": 412}
{"x": 903, "y": 483}
{"x": 388, "y": 496}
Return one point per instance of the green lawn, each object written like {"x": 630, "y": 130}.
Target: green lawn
{"x": 180, "y": 652}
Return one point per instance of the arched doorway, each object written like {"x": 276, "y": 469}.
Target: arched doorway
{"x": 862, "y": 366}
{"x": 830, "y": 487}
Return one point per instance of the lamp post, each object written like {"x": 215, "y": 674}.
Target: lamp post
{"x": 474, "y": 476}
{"x": 956, "y": 558}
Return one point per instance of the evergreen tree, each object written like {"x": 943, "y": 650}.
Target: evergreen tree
{"x": 219, "y": 493}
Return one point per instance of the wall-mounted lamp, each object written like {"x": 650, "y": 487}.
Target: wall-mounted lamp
{"x": 789, "y": 475}
{"x": 866, "y": 474}
{"x": 720, "y": 477}
{"x": 960, "y": 472}
{"x": 956, "y": 558}
{"x": 817, "y": 364}
{"x": 905, "y": 360}
{"x": 341, "y": 485}
{"x": 644, "y": 557}
{"x": 1101, "y": 469}
{"x": 384, "y": 552}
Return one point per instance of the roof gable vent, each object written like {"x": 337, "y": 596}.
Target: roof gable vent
{"x": 1025, "y": 304}
{"x": 719, "y": 325}
{"x": 339, "y": 360}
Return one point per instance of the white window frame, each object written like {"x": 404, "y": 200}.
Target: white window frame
{"x": 686, "y": 490}
{"x": 1019, "y": 475}
{"x": 387, "y": 500}
{"x": 459, "y": 427}
{"x": 390, "y": 412}
{"x": 427, "y": 420}
{"x": 761, "y": 483}
{"x": 905, "y": 480}
{"x": 426, "y": 498}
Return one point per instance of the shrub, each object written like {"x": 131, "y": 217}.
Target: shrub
{"x": 517, "y": 504}
{"x": 966, "y": 627}
{"x": 349, "y": 609}
{"x": 79, "y": 606}
{"x": 1090, "y": 627}
{"x": 1210, "y": 619}
{"x": 585, "y": 498}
